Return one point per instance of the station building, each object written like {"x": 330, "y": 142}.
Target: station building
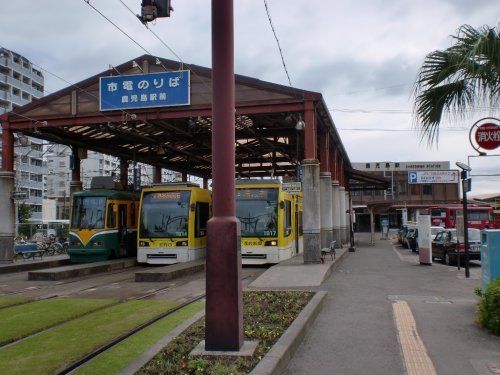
{"x": 401, "y": 194}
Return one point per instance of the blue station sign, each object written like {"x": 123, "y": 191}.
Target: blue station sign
{"x": 144, "y": 90}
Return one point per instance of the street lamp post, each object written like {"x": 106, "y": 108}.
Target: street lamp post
{"x": 465, "y": 188}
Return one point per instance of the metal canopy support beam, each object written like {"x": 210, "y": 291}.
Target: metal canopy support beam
{"x": 310, "y": 146}
{"x": 324, "y": 153}
{"x": 124, "y": 172}
{"x": 157, "y": 175}
{"x": 224, "y": 306}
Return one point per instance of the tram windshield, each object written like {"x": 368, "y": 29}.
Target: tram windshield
{"x": 164, "y": 214}
{"x": 88, "y": 212}
{"x": 257, "y": 210}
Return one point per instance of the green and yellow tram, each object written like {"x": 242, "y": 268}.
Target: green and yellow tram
{"x": 103, "y": 225}
{"x": 173, "y": 223}
{"x": 271, "y": 221}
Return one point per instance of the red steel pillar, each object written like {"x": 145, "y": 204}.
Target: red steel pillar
{"x": 224, "y": 306}
{"x": 157, "y": 175}
{"x": 76, "y": 179}
{"x": 124, "y": 172}
{"x": 205, "y": 183}
{"x": 310, "y": 146}
{"x": 324, "y": 153}
{"x": 7, "y": 148}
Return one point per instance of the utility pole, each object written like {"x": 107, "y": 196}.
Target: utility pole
{"x": 465, "y": 188}
{"x": 224, "y": 306}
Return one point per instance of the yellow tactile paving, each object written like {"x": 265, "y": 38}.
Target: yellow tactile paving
{"x": 415, "y": 355}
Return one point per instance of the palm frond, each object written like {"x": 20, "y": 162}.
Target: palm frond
{"x": 458, "y": 78}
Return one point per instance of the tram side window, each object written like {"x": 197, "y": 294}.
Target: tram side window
{"x": 111, "y": 219}
{"x": 288, "y": 218}
{"x": 202, "y": 216}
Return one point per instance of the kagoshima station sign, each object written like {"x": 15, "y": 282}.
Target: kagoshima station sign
{"x": 485, "y": 134}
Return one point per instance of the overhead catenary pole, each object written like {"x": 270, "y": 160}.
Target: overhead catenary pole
{"x": 466, "y": 224}
{"x": 224, "y": 306}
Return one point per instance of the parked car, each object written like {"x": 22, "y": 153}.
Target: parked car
{"x": 411, "y": 239}
{"x": 445, "y": 246}
{"x": 402, "y": 233}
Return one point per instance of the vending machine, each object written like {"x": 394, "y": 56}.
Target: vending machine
{"x": 490, "y": 255}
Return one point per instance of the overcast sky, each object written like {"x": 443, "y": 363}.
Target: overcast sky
{"x": 363, "y": 56}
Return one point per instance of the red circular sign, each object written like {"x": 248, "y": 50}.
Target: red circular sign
{"x": 488, "y": 136}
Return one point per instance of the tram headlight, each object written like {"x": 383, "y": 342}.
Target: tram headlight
{"x": 97, "y": 243}
{"x": 271, "y": 243}
{"x": 181, "y": 243}
{"x": 75, "y": 244}
{"x": 143, "y": 243}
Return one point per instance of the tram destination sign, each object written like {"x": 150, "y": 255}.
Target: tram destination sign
{"x": 291, "y": 187}
{"x": 150, "y": 90}
{"x": 433, "y": 177}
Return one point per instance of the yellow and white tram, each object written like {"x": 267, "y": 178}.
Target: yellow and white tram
{"x": 271, "y": 221}
{"x": 173, "y": 223}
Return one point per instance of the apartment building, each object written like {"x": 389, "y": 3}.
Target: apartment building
{"x": 20, "y": 83}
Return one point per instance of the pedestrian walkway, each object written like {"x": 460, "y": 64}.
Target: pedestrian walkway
{"x": 386, "y": 314}
{"x": 293, "y": 273}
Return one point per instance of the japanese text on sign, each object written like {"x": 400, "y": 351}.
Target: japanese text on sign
{"x": 432, "y": 177}
{"x": 145, "y": 90}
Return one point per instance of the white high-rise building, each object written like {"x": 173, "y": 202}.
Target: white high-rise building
{"x": 20, "y": 83}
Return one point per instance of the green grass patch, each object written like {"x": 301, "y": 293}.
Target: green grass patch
{"x": 119, "y": 357}
{"x": 20, "y": 321}
{"x": 266, "y": 315}
{"x": 11, "y": 301}
{"x": 59, "y": 347}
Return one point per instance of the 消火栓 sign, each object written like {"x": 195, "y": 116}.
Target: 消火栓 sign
{"x": 144, "y": 90}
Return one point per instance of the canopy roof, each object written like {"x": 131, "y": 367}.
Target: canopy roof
{"x": 179, "y": 138}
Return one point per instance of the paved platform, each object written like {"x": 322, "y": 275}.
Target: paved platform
{"x": 169, "y": 272}
{"x": 293, "y": 273}
{"x": 78, "y": 270}
{"x": 30, "y": 264}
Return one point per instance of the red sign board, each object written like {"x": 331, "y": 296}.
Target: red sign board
{"x": 488, "y": 136}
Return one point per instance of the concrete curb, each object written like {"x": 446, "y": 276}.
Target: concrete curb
{"x": 170, "y": 272}
{"x": 145, "y": 357}
{"x": 21, "y": 266}
{"x": 276, "y": 360}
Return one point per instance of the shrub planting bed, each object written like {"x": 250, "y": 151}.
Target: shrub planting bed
{"x": 489, "y": 307}
{"x": 266, "y": 316}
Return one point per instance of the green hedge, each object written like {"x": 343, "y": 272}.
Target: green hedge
{"x": 489, "y": 307}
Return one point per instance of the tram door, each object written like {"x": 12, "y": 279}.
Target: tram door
{"x": 122, "y": 228}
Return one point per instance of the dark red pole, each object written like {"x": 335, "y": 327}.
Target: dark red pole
{"x": 224, "y": 307}
{"x": 7, "y": 148}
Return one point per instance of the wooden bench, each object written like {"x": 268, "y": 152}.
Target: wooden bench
{"x": 331, "y": 250}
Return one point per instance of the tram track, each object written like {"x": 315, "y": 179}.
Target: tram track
{"x": 75, "y": 280}
{"x": 126, "y": 335}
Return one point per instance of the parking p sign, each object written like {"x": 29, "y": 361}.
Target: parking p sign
{"x": 412, "y": 177}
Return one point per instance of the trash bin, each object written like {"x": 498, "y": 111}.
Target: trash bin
{"x": 490, "y": 255}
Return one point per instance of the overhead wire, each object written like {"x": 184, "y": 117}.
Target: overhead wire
{"x": 181, "y": 61}
{"x": 122, "y": 31}
{"x": 268, "y": 12}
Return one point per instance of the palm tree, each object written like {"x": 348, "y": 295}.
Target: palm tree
{"x": 461, "y": 78}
